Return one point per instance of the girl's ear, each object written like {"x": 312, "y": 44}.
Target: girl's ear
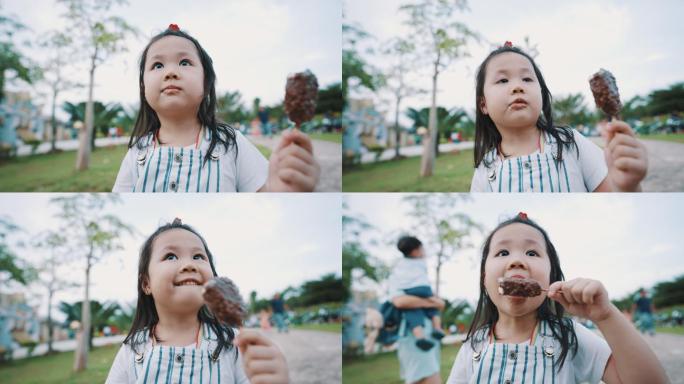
{"x": 483, "y": 105}
{"x": 146, "y": 285}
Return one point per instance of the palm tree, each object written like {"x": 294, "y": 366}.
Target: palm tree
{"x": 102, "y": 314}
{"x": 448, "y": 121}
{"x": 104, "y": 115}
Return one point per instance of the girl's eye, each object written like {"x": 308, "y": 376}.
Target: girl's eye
{"x": 532, "y": 253}
{"x": 185, "y": 63}
{"x": 502, "y": 81}
{"x": 157, "y": 66}
{"x": 502, "y": 252}
{"x": 199, "y": 256}
{"x": 170, "y": 256}
{"x": 528, "y": 79}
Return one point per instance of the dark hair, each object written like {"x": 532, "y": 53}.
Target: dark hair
{"x": 487, "y": 136}
{"x": 146, "y": 311}
{"x": 486, "y": 313}
{"x": 407, "y": 244}
{"x": 148, "y": 122}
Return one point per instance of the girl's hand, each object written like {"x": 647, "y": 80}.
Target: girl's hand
{"x": 292, "y": 166}
{"x": 625, "y": 156}
{"x": 582, "y": 297}
{"x": 263, "y": 361}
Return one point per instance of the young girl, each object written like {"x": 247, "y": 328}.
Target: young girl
{"x": 518, "y": 148}
{"x": 174, "y": 336}
{"x": 178, "y": 145}
{"x": 527, "y": 340}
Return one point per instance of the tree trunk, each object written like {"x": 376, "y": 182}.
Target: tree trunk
{"x": 53, "y": 121}
{"x": 397, "y": 133}
{"x": 83, "y": 159}
{"x": 428, "y": 161}
{"x": 82, "y": 347}
{"x": 49, "y": 320}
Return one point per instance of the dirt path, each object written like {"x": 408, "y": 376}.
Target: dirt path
{"x": 312, "y": 356}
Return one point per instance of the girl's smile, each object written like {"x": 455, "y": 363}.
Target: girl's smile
{"x": 178, "y": 269}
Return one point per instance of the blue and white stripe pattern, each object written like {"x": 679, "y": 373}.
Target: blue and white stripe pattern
{"x": 516, "y": 363}
{"x": 581, "y": 170}
{"x": 178, "y": 365}
{"x": 525, "y": 363}
{"x": 172, "y": 169}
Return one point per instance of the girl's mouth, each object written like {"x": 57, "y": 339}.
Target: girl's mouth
{"x": 187, "y": 282}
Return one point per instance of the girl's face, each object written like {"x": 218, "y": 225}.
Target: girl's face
{"x": 512, "y": 94}
{"x": 516, "y": 250}
{"x": 174, "y": 76}
{"x": 178, "y": 268}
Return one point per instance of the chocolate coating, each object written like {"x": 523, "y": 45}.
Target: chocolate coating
{"x": 605, "y": 90}
{"x": 223, "y": 299}
{"x": 301, "y": 92}
{"x": 513, "y": 286}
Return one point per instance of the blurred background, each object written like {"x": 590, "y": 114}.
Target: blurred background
{"x": 627, "y": 242}
{"x": 53, "y": 246}
{"x": 398, "y": 54}
{"x": 50, "y": 47}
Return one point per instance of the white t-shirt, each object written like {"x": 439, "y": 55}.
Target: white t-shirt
{"x": 524, "y": 363}
{"x": 182, "y": 169}
{"x": 540, "y": 172}
{"x": 409, "y": 272}
{"x": 177, "y": 364}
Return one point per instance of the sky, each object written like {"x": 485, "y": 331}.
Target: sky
{"x": 638, "y": 41}
{"x": 626, "y": 241}
{"x": 254, "y": 44}
{"x": 263, "y": 242}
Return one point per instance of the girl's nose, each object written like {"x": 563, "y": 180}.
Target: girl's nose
{"x": 171, "y": 74}
{"x": 518, "y": 89}
{"x": 189, "y": 267}
{"x": 516, "y": 263}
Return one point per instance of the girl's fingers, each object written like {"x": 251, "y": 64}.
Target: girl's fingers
{"x": 590, "y": 292}
{"x": 622, "y": 139}
{"x": 258, "y": 352}
{"x": 630, "y": 165}
{"x": 295, "y": 151}
{"x": 296, "y": 179}
{"x": 297, "y": 164}
{"x": 555, "y": 287}
{"x": 257, "y": 367}
{"x": 297, "y": 137}
{"x": 619, "y": 126}
{"x": 577, "y": 291}
{"x": 626, "y": 151}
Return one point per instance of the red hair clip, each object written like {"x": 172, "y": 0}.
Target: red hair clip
{"x": 522, "y": 215}
{"x": 508, "y": 44}
{"x": 174, "y": 27}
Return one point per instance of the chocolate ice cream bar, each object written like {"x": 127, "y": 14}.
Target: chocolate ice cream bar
{"x": 223, "y": 299}
{"x": 605, "y": 91}
{"x": 301, "y": 92}
{"x": 514, "y": 286}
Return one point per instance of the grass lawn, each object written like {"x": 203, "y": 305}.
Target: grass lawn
{"x": 327, "y": 327}
{"x": 672, "y": 330}
{"x": 383, "y": 368}
{"x": 673, "y": 137}
{"x": 55, "y": 172}
{"x": 332, "y": 137}
{"x": 58, "y": 368}
{"x": 452, "y": 173}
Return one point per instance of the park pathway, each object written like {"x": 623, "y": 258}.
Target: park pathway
{"x": 312, "y": 356}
